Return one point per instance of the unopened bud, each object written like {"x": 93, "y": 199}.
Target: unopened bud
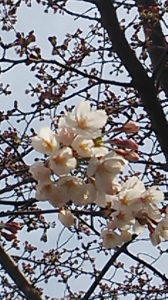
{"x": 131, "y": 127}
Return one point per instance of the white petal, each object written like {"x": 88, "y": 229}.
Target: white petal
{"x": 92, "y": 166}
{"x": 66, "y": 218}
{"x": 156, "y": 239}
{"x": 132, "y": 183}
{"x": 63, "y": 162}
{"x": 70, "y": 120}
{"x": 71, "y": 188}
{"x": 138, "y": 228}
{"x": 104, "y": 182}
{"x": 83, "y": 146}
{"x": 97, "y": 119}
{"x": 100, "y": 151}
{"x": 46, "y": 141}
{"x": 46, "y": 134}
{"x": 39, "y": 171}
{"x": 62, "y": 122}
{"x": 115, "y": 165}
{"x": 125, "y": 236}
{"x": 90, "y": 194}
{"x": 110, "y": 239}
{"x": 65, "y": 135}
{"x": 82, "y": 110}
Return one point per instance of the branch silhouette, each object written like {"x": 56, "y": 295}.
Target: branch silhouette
{"x": 156, "y": 43}
{"x": 149, "y": 266}
{"x": 142, "y": 82}
{"x": 17, "y": 276}
{"x": 106, "y": 268}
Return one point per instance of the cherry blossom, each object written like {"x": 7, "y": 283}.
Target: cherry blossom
{"x": 105, "y": 171}
{"x": 110, "y": 239}
{"x": 138, "y": 228}
{"x": 131, "y": 155}
{"x": 85, "y": 147}
{"x": 39, "y": 171}
{"x": 65, "y": 135}
{"x": 125, "y": 236}
{"x": 133, "y": 183}
{"x": 128, "y": 127}
{"x": 48, "y": 191}
{"x": 160, "y": 233}
{"x": 71, "y": 188}
{"x": 63, "y": 162}
{"x": 89, "y": 195}
{"x": 148, "y": 214}
{"x": 111, "y": 163}
{"x": 130, "y": 200}
{"x": 78, "y": 148}
{"x": 152, "y": 194}
{"x": 100, "y": 151}
{"x": 86, "y": 122}
{"x": 122, "y": 220}
{"x": 128, "y": 144}
{"x": 45, "y": 142}
{"x": 103, "y": 199}
{"x": 66, "y": 217}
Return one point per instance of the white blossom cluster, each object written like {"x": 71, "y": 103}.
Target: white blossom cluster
{"x": 78, "y": 145}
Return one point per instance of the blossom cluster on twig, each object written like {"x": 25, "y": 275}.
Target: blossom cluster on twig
{"x": 77, "y": 147}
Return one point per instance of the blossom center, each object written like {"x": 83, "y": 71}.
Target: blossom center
{"x": 47, "y": 145}
{"x": 82, "y": 123}
{"x": 60, "y": 160}
{"x": 125, "y": 200}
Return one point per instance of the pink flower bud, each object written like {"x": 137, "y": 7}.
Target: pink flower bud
{"x": 8, "y": 237}
{"x": 130, "y": 127}
{"x": 129, "y": 155}
{"x": 12, "y": 227}
{"x": 124, "y": 143}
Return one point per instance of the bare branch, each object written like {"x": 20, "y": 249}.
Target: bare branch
{"x": 141, "y": 80}
{"x": 149, "y": 266}
{"x": 68, "y": 68}
{"x": 156, "y": 44}
{"x": 106, "y": 268}
{"x": 23, "y": 284}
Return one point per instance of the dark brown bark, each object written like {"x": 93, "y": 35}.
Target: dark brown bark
{"x": 142, "y": 82}
{"x": 156, "y": 44}
{"x": 22, "y": 283}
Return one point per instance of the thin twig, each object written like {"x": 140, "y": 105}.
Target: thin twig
{"x": 149, "y": 266}
{"x": 106, "y": 268}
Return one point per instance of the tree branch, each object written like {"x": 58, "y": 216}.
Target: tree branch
{"x": 76, "y": 212}
{"x": 68, "y": 68}
{"x": 23, "y": 284}
{"x": 142, "y": 82}
{"x": 10, "y": 188}
{"x": 106, "y": 268}
{"x": 156, "y": 44}
{"x": 149, "y": 266}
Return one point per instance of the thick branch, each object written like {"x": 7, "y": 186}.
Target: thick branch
{"x": 141, "y": 80}
{"x": 23, "y": 284}
{"x": 156, "y": 44}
